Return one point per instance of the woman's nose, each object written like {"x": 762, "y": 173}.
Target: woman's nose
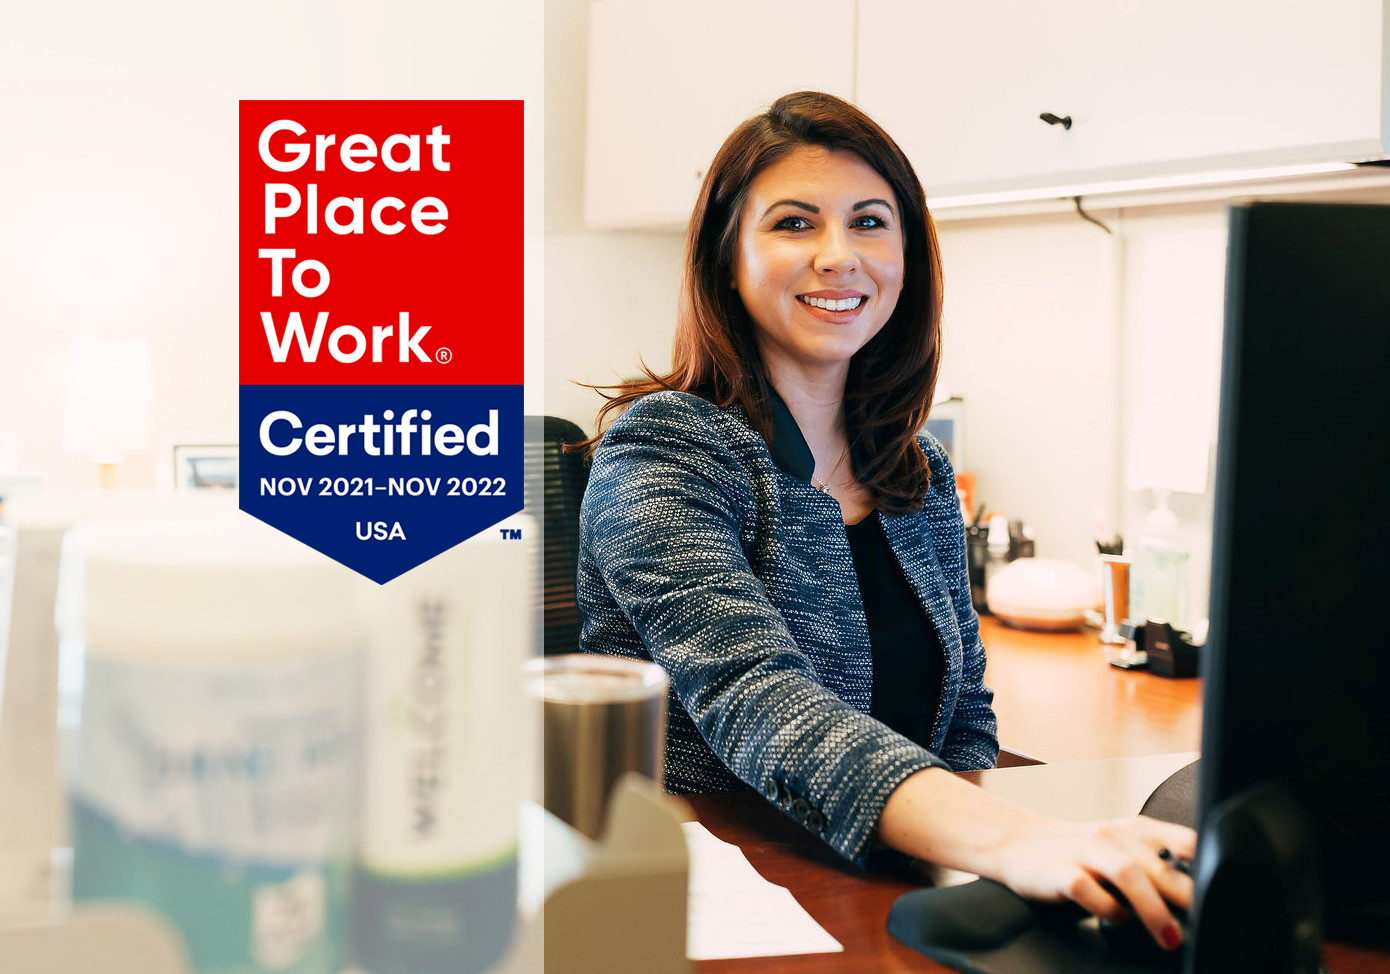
{"x": 836, "y": 253}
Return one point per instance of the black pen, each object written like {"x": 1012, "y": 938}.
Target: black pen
{"x": 1182, "y": 865}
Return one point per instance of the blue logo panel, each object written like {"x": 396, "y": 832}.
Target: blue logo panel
{"x": 381, "y": 477}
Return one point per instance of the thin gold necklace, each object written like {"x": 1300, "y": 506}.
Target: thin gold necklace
{"x": 824, "y": 485}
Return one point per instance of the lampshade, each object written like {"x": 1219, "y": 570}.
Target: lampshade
{"x": 110, "y": 398}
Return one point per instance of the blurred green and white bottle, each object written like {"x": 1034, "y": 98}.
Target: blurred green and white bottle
{"x": 436, "y": 889}
{"x": 215, "y": 771}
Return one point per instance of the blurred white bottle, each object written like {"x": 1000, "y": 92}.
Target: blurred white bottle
{"x": 1159, "y": 584}
{"x": 436, "y": 891}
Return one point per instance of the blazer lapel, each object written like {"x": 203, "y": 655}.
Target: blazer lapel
{"x": 910, "y": 538}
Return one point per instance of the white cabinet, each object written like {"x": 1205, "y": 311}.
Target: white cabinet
{"x": 1152, "y": 88}
{"x": 669, "y": 81}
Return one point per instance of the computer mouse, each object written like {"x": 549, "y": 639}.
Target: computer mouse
{"x": 1130, "y": 939}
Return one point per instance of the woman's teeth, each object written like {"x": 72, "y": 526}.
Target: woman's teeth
{"x": 843, "y": 305}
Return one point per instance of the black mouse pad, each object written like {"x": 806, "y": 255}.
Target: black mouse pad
{"x": 1176, "y": 799}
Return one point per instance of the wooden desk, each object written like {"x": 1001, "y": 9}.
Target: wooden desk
{"x": 1058, "y": 700}
{"x": 853, "y": 906}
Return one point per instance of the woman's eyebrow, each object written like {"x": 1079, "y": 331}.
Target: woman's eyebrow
{"x": 866, "y": 203}
{"x": 804, "y": 206}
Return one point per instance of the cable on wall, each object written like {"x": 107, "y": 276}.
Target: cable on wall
{"x": 1086, "y": 216}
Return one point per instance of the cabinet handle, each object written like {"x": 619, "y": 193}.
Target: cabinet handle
{"x": 1050, "y": 119}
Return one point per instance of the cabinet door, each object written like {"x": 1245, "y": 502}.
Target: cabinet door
{"x": 1151, "y": 88}
{"x": 668, "y": 82}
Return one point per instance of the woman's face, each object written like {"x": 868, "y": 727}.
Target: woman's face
{"x": 819, "y": 264}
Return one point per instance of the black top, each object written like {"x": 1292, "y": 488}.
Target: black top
{"x": 908, "y": 665}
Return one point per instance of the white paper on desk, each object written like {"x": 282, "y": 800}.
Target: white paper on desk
{"x": 734, "y": 912}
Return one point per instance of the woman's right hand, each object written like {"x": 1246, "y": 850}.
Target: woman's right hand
{"x": 1090, "y": 862}
{"x": 937, "y": 816}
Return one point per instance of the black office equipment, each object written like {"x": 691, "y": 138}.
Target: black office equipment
{"x": 1294, "y": 781}
{"x": 1169, "y": 651}
{"x": 1296, "y": 670}
{"x": 555, "y": 483}
{"x": 1258, "y": 905}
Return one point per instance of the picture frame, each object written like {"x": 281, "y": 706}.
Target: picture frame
{"x": 947, "y": 423}
{"x": 198, "y": 464}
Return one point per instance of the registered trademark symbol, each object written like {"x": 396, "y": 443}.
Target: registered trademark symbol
{"x": 443, "y": 356}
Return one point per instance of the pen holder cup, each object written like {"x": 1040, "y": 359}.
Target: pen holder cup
{"x": 1114, "y": 579}
{"x": 977, "y": 557}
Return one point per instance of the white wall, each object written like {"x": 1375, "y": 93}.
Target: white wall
{"x": 1031, "y": 345}
{"x": 1063, "y": 340}
{"x": 118, "y": 128}
{"x": 1172, "y": 321}
{"x": 610, "y": 297}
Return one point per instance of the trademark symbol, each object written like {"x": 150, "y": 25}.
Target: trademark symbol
{"x": 443, "y": 356}
{"x": 511, "y": 534}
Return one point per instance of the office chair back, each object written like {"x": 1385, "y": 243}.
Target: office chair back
{"x": 555, "y": 482}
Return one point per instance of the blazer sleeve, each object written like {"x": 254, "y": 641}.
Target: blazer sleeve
{"x": 972, "y": 741}
{"x": 666, "y": 503}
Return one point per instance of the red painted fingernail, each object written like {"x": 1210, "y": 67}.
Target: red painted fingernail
{"x": 1172, "y": 936}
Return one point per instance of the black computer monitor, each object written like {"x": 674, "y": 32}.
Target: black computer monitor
{"x": 1297, "y": 663}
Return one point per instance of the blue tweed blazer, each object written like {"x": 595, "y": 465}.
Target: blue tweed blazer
{"x": 707, "y": 550}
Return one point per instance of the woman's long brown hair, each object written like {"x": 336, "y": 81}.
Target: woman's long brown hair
{"x": 891, "y": 379}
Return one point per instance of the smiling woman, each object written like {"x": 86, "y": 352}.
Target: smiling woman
{"x": 820, "y": 259}
{"x": 814, "y": 196}
{"x": 768, "y": 524}
{"x": 819, "y": 268}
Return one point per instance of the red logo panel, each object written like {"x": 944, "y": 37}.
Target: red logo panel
{"x": 431, "y": 225}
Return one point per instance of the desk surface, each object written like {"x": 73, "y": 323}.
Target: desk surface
{"x": 1058, "y": 700}
{"x": 853, "y": 906}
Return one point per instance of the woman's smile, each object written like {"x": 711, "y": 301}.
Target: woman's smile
{"x": 834, "y": 306}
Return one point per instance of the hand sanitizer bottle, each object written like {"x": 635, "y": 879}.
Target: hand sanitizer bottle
{"x": 1159, "y": 585}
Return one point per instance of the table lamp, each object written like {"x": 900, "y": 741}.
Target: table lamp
{"x": 110, "y": 401}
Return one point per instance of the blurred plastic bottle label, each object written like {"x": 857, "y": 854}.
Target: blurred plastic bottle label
{"x": 223, "y": 796}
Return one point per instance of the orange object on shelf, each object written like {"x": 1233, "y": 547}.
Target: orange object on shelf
{"x": 965, "y": 484}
